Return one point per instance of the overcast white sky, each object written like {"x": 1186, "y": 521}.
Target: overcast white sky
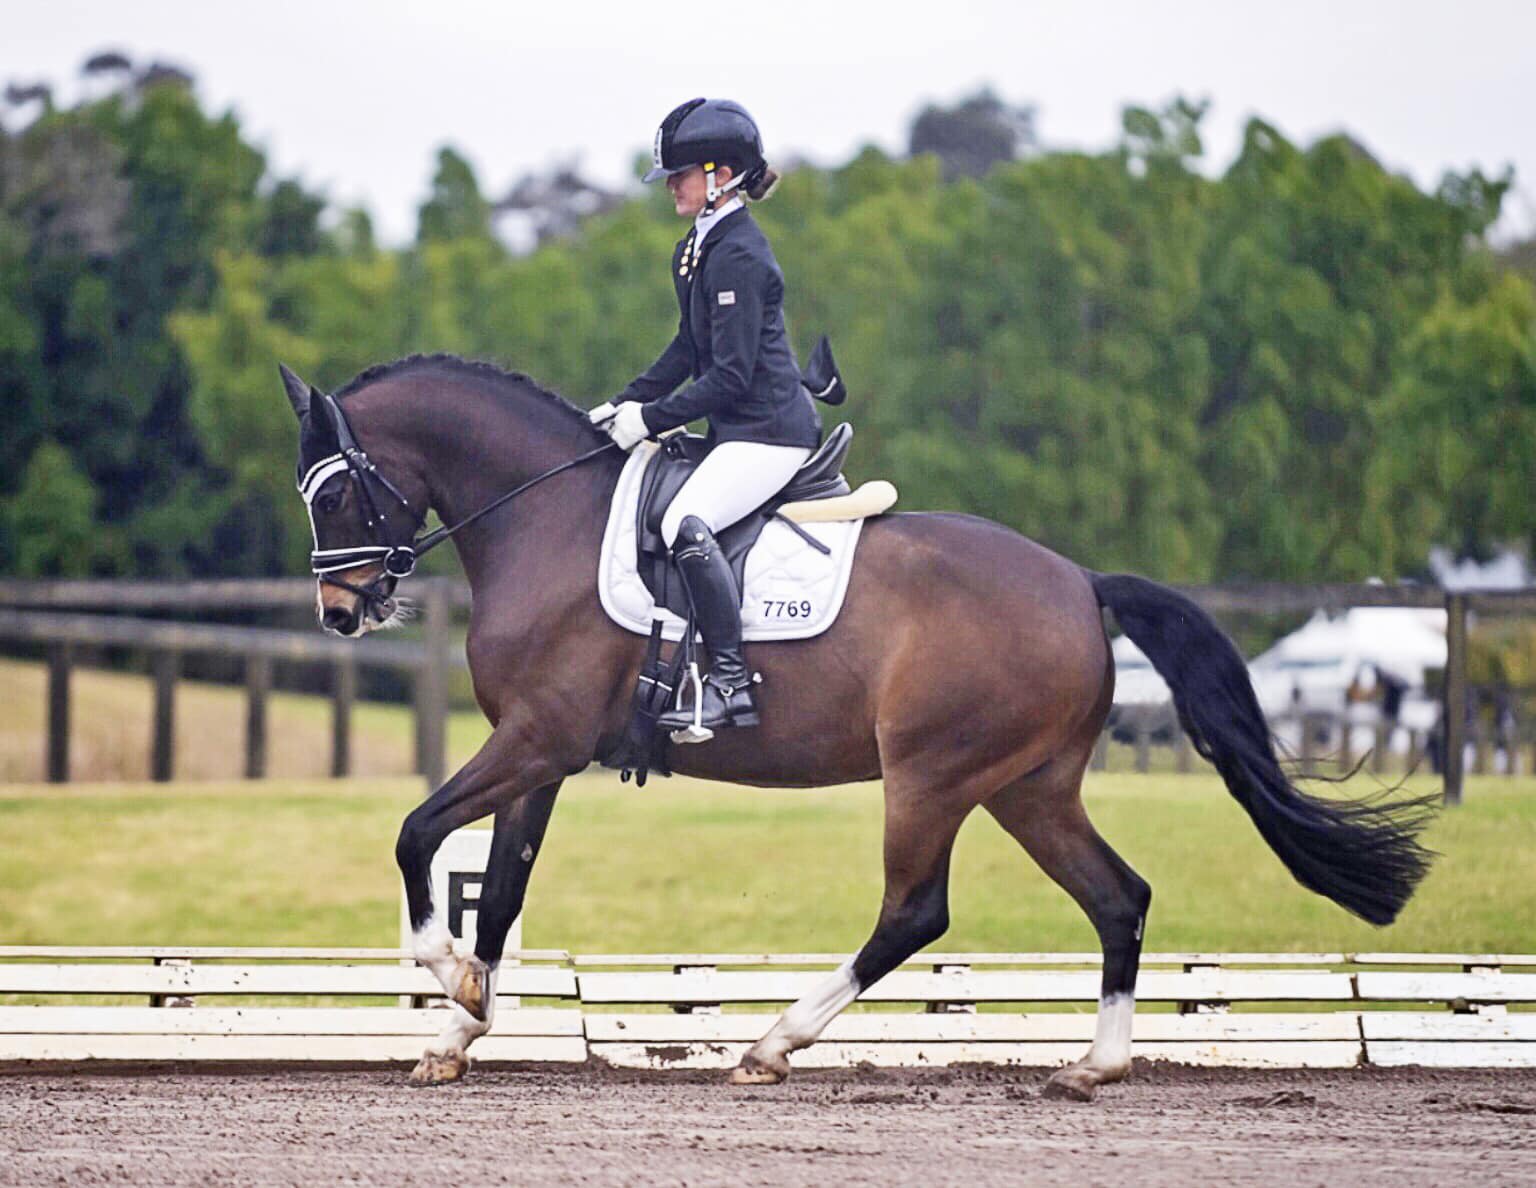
{"x": 356, "y": 97}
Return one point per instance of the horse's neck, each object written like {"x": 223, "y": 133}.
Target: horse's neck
{"x": 467, "y": 442}
{"x": 471, "y": 446}
{"x": 563, "y": 517}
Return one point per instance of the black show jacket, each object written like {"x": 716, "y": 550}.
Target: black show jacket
{"x": 731, "y": 340}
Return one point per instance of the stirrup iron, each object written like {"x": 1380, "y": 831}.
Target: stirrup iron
{"x": 696, "y": 731}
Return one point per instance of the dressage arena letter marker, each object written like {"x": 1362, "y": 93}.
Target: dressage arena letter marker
{"x": 459, "y": 901}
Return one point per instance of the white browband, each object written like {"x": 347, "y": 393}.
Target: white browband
{"x": 309, "y": 486}
{"x": 315, "y": 477}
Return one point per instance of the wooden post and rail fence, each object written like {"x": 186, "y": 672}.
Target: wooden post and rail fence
{"x": 667, "y": 1011}
{"x": 64, "y": 616}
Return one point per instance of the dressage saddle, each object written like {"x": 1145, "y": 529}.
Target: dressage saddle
{"x": 821, "y": 477}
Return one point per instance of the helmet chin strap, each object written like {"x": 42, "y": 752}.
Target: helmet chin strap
{"x": 712, "y": 192}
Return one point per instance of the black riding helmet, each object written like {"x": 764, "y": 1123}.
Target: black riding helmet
{"x": 708, "y": 132}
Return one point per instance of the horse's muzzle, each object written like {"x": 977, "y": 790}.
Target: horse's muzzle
{"x": 342, "y": 620}
{"x": 351, "y": 607}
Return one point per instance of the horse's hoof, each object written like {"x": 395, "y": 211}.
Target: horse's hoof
{"x": 439, "y": 1068}
{"x": 473, "y": 992}
{"x": 755, "y": 1071}
{"x": 1071, "y": 1084}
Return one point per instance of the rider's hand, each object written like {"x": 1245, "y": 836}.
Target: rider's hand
{"x": 603, "y": 412}
{"x": 628, "y": 428}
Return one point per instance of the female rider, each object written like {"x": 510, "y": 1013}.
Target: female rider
{"x": 731, "y": 342}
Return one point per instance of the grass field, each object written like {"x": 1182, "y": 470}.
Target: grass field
{"x": 681, "y": 865}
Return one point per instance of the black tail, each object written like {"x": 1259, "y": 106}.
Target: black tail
{"x": 1364, "y": 855}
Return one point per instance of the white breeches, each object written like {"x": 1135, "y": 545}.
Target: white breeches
{"x": 734, "y": 480}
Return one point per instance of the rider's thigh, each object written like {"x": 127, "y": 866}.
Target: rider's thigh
{"x": 734, "y": 480}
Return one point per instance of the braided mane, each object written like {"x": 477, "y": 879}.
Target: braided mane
{"x": 454, "y": 365}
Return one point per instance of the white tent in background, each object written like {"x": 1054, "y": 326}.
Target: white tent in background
{"x": 1328, "y": 654}
{"x": 1143, "y": 702}
{"x": 1507, "y": 571}
{"x": 1316, "y": 664}
{"x": 1314, "y": 667}
{"x": 1136, "y": 681}
{"x": 1313, "y": 670}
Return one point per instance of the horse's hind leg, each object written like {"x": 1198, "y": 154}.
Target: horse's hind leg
{"x": 919, "y": 836}
{"x": 1044, "y": 811}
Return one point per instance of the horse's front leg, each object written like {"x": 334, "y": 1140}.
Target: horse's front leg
{"x": 516, "y": 842}
{"x": 522, "y": 795}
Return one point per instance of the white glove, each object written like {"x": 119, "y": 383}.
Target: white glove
{"x": 628, "y": 428}
{"x": 603, "y": 412}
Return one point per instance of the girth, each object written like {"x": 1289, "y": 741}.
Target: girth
{"x": 680, "y": 454}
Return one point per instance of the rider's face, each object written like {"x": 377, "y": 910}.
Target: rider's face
{"x": 689, "y": 191}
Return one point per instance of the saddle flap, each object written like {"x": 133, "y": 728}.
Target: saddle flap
{"x": 790, "y": 590}
{"x": 679, "y": 455}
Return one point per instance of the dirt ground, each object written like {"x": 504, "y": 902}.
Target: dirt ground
{"x": 594, "y": 1125}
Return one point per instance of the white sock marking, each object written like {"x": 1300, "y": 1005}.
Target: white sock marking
{"x": 433, "y": 945}
{"x": 1112, "y": 1032}
{"x": 799, "y": 1026}
{"x": 462, "y": 1028}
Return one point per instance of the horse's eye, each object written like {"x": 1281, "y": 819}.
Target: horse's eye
{"x": 329, "y": 502}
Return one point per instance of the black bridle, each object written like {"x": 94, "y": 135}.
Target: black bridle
{"x": 398, "y": 560}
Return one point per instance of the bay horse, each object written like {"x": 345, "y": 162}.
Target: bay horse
{"x": 969, "y": 669}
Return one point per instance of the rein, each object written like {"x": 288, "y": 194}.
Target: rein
{"x": 398, "y": 561}
{"x": 420, "y": 547}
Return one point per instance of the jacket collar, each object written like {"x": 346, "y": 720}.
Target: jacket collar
{"x": 704, "y": 222}
{"x": 727, "y": 222}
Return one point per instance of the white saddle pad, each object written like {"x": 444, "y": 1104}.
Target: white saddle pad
{"x": 792, "y": 590}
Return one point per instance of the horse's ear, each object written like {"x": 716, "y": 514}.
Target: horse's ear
{"x": 298, "y": 391}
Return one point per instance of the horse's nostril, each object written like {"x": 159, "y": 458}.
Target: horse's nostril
{"x": 338, "y": 619}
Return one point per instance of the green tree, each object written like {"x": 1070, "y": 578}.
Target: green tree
{"x": 234, "y": 349}
{"x": 1320, "y": 267}
{"x": 289, "y": 223}
{"x": 49, "y": 526}
{"x": 456, "y": 209}
{"x": 975, "y": 134}
{"x": 1457, "y": 463}
{"x": 123, "y": 202}
{"x": 1305, "y": 368}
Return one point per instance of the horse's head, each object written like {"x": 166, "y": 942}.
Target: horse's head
{"x": 362, "y": 523}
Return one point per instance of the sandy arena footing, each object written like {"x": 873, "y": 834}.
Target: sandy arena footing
{"x": 594, "y": 1125}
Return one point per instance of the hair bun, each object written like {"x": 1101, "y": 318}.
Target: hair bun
{"x": 760, "y": 183}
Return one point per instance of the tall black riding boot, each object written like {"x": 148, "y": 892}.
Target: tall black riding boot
{"x": 717, "y": 608}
